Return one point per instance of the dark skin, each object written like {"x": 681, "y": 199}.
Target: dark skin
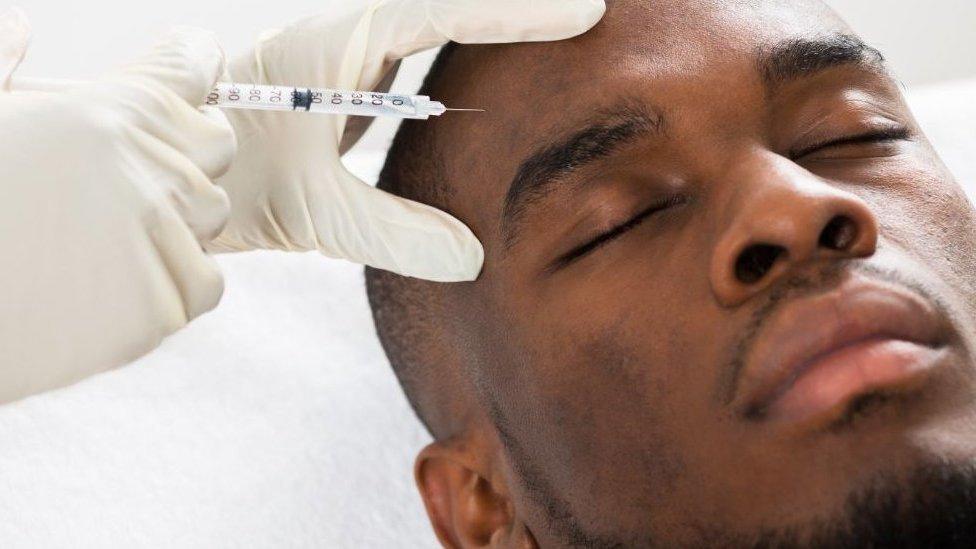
{"x": 611, "y": 328}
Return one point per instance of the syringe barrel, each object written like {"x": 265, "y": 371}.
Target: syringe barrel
{"x": 321, "y": 100}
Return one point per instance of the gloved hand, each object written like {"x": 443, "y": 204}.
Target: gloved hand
{"x": 288, "y": 187}
{"x": 105, "y": 199}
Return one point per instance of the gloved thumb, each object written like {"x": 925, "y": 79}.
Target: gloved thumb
{"x": 375, "y": 228}
{"x": 188, "y": 62}
{"x": 14, "y": 38}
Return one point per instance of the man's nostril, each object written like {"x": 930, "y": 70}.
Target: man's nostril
{"x": 839, "y": 234}
{"x": 756, "y": 261}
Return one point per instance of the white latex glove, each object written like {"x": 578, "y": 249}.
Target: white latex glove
{"x": 105, "y": 199}
{"x": 288, "y": 187}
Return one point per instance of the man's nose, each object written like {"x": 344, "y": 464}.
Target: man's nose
{"x": 781, "y": 218}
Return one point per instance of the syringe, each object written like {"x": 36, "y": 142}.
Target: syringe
{"x": 326, "y": 101}
{"x": 231, "y": 95}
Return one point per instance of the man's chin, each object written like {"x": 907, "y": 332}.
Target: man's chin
{"x": 934, "y": 506}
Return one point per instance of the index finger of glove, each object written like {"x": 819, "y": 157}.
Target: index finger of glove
{"x": 404, "y": 27}
{"x": 394, "y": 29}
{"x": 14, "y": 38}
{"x": 187, "y": 62}
{"x": 161, "y": 94}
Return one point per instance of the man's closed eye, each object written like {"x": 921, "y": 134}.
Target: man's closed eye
{"x": 852, "y": 144}
{"x": 605, "y": 238}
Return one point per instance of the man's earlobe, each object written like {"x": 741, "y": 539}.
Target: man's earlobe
{"x": 464, "y": 507}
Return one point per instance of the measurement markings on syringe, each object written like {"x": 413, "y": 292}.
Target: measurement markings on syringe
{"x": 236, "y": 95}
{"x": 224, "y": 95}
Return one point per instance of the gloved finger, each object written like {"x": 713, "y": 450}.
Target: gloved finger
{"x": 194, "y": 274}
{"x": 381, "y": 230}
{"x": 203, "y": 206}
{"x": 187, "y": 62}
{"x": 202, "y": 134}
{"x": 411, "y": 25}
{"x": 14, "y": 38}
{"x": 219, "y": 134}
{"x": 395, "y": 29}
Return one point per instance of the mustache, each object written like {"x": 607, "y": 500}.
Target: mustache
{"x": 803, "y": 285}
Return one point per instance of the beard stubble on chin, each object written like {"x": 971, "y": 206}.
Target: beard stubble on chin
{"x": 932, "y": 507}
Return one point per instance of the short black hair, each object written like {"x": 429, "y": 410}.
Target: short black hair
{"x": 405, "y": 310}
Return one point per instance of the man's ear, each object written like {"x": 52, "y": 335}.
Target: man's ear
{"x": 467, "y": 504}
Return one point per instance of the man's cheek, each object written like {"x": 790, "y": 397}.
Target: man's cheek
{"x": 928, "y": 217}
{"x": 607, "y": 406}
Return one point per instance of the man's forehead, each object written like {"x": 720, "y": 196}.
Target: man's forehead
{"x": 531, "y": 90}
{"x": 671, "y": 35}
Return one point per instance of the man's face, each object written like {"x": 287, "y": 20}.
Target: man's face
{"x": 729, "y": 285}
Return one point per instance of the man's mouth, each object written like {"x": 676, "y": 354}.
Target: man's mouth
{"x": 822, "y": 355}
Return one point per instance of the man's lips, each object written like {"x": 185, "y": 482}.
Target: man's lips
{"x": 820, "y": 354}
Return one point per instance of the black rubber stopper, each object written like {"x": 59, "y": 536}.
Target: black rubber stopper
{"x": 301, "y": 99}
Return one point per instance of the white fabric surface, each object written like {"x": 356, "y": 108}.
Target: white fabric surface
{"x": 271, "y": 422}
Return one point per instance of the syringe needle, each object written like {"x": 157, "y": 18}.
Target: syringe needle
{"x": 468, "y": 110}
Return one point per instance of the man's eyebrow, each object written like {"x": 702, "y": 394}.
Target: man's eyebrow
{"x": 801, "y": 57}
{"x": 606, "y": 132}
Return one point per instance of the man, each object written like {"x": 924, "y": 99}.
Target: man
{"x": 727, "y": 297}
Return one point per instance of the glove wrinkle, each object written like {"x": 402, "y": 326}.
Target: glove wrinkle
{"x": 15, "y": 36}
